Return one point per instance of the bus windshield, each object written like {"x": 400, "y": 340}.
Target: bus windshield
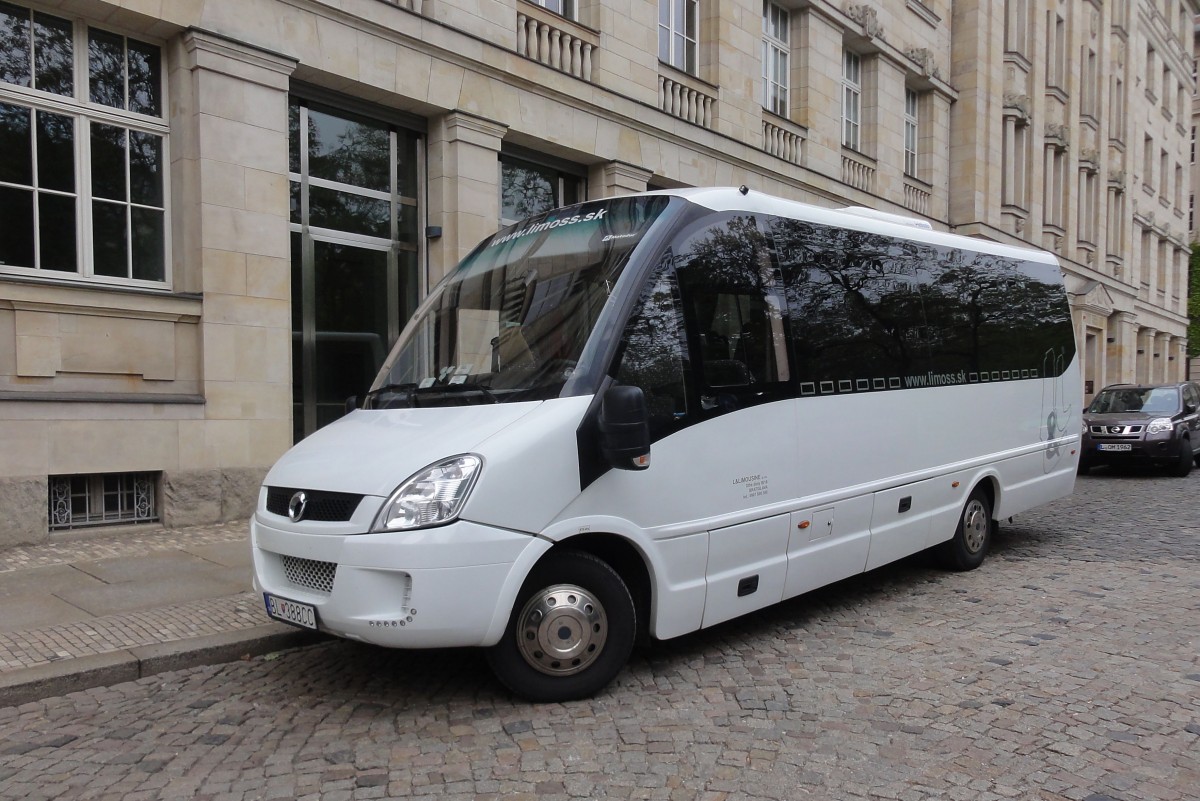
{"x": 511, "y": 322}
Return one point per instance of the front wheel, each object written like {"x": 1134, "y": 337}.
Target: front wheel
{"x": 570, "y": 632}
{"x": 1183, "y": 465}
{"x": 967, "y": 549}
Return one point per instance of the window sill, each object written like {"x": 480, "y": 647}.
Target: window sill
{"x": 100, "y": 299}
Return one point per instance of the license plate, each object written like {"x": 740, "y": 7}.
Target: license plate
{"x": 297, "y": 614}
{"x": 1109, "y": 446}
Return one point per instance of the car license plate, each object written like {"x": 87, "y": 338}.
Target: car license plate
{"x": 1114, "y": 446}
{"x": 297, "y": 614}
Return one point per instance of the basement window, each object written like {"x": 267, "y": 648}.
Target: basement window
{"x": 102, "y": 499}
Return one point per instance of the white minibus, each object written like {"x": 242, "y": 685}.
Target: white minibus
{"x": 641, "y": 416}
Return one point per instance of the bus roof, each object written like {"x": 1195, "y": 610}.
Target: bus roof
{"x": 728, "y": 198}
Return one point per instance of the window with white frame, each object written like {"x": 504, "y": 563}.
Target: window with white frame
{"x": 851, "y": 99}
{"x": 84, "y": 141}
{"x": 775, "y": 46}
{"x": 911, "y": 130}
{"x": 678, "y": 27}
{"x": 564, "y": 8}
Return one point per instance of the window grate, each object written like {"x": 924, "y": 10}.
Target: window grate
{"x": 102, "y": 499}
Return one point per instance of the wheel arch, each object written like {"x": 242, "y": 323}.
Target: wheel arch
{"x": 623, "y": 556}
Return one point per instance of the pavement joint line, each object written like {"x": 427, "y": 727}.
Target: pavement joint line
{"x": 42, "y": 646}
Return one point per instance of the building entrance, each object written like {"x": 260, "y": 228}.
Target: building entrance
{"x": 355, "y": 278}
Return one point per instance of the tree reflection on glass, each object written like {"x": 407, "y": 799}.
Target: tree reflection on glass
{"x": 55, "y": 55}
{"x": 526, "y": 190}
{"x": 15, "y": 45}
{"x": 868, "y": 306}
{"x": 654, "y": 357}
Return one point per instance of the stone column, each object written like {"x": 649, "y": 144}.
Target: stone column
{"x": 1145, "y": 355}
{"x": 1121, "y": 349}
{"x": 1162, "y": 364}
{"x": 229, "y": 148}
{"x": 1177, "y": 362}
{"x": 464, "y": 186}
{"x": 616, "y": 178}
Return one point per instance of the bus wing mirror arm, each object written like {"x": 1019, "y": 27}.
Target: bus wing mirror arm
{"x": 625, "y": 428}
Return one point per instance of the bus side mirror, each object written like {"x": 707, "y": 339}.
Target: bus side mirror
{"x": 625, "y": 428}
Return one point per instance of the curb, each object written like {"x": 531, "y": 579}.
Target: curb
{"x": 100, "y": 670}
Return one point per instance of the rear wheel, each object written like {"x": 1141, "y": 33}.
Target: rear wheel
{"x": 570, "y": 632}
{"x": 967, "y": 549}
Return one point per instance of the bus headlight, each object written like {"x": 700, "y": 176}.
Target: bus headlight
{"x": 433, "y": 496}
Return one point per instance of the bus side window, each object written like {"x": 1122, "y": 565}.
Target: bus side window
{"x": 654, "y": 354}
{"x": 731, "y": 301}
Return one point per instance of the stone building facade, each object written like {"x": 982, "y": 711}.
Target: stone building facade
{"x": 216, "y": 216}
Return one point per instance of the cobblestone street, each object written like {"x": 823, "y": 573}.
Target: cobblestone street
{"x": 1067, "y": 667}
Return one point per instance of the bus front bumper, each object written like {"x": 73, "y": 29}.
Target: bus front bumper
{"x": 447, "y": 586}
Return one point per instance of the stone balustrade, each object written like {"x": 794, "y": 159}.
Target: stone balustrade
{"x": 782, "y": 142}
{"x": 554, "y": 46}
{"x": 685, "y": 102}
{"x": 858, "y": 172}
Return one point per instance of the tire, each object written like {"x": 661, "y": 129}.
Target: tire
{"x": 1183, "y": 465}
{"x": 570, "y": 632}
{"x": 1084, "y": 468}
{"x": 968, "y": 547}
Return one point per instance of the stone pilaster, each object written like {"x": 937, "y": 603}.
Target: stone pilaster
{"x": 230, "y": 164}
{"x": 464, "y": 186}
{"x": 614, "y": 178}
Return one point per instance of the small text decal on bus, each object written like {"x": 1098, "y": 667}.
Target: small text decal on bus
{"x": 752, "y": 486}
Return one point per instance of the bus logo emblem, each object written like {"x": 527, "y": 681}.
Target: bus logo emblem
{"x": 297, "y": 505}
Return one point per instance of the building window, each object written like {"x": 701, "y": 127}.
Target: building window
{"x": 1164, "y": 161}
{"x": 355, "y": 242}
{"x": 911, "y": 130}
{"x": 1016, "y": 26}
{"x": 776, "y": 36}
{"x": 1115, "y": 227}
{"x": 678, "y": 27}
{"x": 1016, "y": 162}
{"x": 1149, "y": 77}
{"x": 564, "y": 8}
{"x": 1089, "y": 199}
{"x": 1056, "y": 50}
{"x": 1148, "y": 161}
{"x": 1116, "y": 109}
{"x": 84, "y": 143}
{"x": 1089, "y": 83}
{"x": 1178, "y": 186}
{"x": 851, "y": 100}
{"x": 1054, "y": 189}
{"x": 102, "y": 499}
{"x": 528, "y": 188}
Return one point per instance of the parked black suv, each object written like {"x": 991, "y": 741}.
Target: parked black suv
{"x": 1143, "y": 424}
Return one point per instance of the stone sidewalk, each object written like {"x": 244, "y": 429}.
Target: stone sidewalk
{"x": 122, "y": 604}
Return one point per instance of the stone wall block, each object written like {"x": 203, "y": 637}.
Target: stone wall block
{"x": 191, "y": 498}
{"x": 25, "y": 520}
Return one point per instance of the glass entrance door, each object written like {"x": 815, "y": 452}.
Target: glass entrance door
{"x": 354, "y": 254}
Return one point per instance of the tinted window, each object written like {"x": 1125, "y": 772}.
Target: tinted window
{"x": 731, "y": 303}
{"x": 869, "y": 312}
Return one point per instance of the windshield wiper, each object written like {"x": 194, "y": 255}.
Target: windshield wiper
{"x": 462, "y": 387}
{"x": 408, "y": 390}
